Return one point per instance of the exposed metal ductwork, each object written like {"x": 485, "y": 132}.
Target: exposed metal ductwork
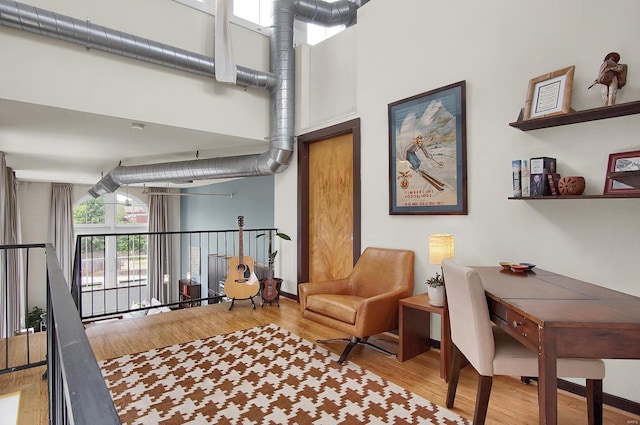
{"x": 329, "y": 14}
{"x": 85, "y": 33}
{"x": 280, "y": 81}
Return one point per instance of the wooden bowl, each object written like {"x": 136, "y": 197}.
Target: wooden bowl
{"x": 573, "y": 185}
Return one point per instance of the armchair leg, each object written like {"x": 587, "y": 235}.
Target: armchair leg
{"x": 331, "y": 341}
{"x": 382, "y": 350}
{"x": 352, "y": 343}
{"x": 594, "y": 401}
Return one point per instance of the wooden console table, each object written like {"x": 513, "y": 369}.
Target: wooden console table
{"x": 557, "y": 316}
{"x": 415, "y": 333}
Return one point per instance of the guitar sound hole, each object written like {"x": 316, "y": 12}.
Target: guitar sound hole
{"x": 241, "y": 268}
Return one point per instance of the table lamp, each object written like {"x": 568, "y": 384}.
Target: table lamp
{"x": 440, "y": 247}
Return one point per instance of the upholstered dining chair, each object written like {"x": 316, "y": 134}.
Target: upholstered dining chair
{"x": 366, "y": 302}
{"x": 491, "y": 351}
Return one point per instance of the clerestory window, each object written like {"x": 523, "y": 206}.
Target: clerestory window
{"x": 256, "y": 15}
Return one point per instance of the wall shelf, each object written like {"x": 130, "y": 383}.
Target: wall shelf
{"x": 594, "y": 114}
{"x": 555, "y": 198}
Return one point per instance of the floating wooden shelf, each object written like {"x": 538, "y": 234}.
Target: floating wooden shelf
{"x": 555, "y": 198}
{"x": 631, "y": 178}
{"x": 604, "y": 112}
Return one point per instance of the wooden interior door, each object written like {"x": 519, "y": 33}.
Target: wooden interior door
{"x": 329, "y": 207}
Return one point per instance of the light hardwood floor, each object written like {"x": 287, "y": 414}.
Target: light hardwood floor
{"x": 511, "y": 401}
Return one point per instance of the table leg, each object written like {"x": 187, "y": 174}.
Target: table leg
{"x": 548, "y": 378}
{"x": 414, "y": 332}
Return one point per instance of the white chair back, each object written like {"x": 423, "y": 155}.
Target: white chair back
{"x": 469, "y": 315}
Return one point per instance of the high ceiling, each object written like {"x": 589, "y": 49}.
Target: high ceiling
{"x": 49, "y": 144}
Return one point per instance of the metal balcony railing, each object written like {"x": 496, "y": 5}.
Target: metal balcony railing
{"x": 114, "y": 273}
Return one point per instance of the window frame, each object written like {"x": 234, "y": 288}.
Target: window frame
{"x": 110, "y": 226}
{"x": 301, "y": 28}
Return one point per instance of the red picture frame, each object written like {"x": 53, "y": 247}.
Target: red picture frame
{"x": 620, "y": 163}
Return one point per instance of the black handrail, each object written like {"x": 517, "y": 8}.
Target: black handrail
{"x": 78, "y": 393}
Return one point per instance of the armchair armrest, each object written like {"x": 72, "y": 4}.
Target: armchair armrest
{"x": 340, "y": 286}
{"x": 380, "y": 313}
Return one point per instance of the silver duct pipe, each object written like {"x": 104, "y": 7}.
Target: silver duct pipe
{"x": 39, "y": 21}
{"x": 281, "y": 82}
{"x": 327, "y": 14}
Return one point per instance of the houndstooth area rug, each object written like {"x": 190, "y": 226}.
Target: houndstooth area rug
{"x": 263, "y": 375}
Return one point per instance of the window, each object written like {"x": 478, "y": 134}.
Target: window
{"x": 110, "y": 261}
{"x": 256, "y": 15}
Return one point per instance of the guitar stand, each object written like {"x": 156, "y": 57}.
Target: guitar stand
{"x": 233, "y": 300}
{"x": 270, "y": 301}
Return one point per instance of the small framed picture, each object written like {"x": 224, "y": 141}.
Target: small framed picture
{"x": 620, "y": 163}
{"x": 549, "y": 94}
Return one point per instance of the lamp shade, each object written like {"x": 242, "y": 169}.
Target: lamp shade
{"x": 440, "y": 247}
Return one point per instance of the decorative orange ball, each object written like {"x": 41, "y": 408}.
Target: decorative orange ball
{"x": 573, "y": 185}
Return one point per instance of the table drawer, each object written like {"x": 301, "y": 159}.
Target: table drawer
{"x": 520, "y": 327}
{"x": 525, "y": 330}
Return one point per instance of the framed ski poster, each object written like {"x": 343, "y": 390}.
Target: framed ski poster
{"x": 427, "y": 153}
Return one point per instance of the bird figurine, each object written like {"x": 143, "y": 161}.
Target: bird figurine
{"x": 613, "y": 76}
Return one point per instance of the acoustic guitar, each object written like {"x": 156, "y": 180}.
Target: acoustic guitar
{"x": 270, "y": 288}
{"x": 241, "y": 282}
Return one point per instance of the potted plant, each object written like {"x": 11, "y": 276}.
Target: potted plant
{"x": 270, "y": 286}
{"x": 436, "y": 290}
{"x": 35, "y": 318}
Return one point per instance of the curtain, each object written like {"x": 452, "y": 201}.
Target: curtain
{"x": 3, "y": 277}
{"x": 13, "y": 286}
{"x": 61, "y": 233}
{"x": 226, "y": 71}
{"x": 158, "y": 248}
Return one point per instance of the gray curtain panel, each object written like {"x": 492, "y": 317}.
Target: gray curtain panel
{"x": 12, "y": 283}
{"x": 61, "y": 233}
{"x": 158, "y": 247}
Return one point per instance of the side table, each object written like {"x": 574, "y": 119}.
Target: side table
{"x": 415, "y": 333}
{"x": 189, "y": 290}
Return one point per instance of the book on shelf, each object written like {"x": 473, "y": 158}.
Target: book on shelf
{"x": 525, "y": 173}
{"x": 553, "y": 183}
{"x": 538, "y": 179}
{"x": 517, "y": 185}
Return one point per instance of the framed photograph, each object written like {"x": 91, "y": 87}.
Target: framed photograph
{"x": 427, "y": 153}
{"x": 549, "y": 94}
{"x": 620, "y": 163}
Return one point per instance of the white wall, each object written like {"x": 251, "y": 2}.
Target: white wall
{"x": 496, "y": 46}
{"x": 102, "y": 83}
{"x": 33, "y": 201}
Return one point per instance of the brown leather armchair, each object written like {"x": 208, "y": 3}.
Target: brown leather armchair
{"x": 366, "y": 302}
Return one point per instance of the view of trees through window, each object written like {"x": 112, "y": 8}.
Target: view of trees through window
{"x": 112, "y": 254}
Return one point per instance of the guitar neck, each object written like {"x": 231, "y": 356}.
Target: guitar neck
{"x": 240, "y": 240}
{"x": 241, "y": 243}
